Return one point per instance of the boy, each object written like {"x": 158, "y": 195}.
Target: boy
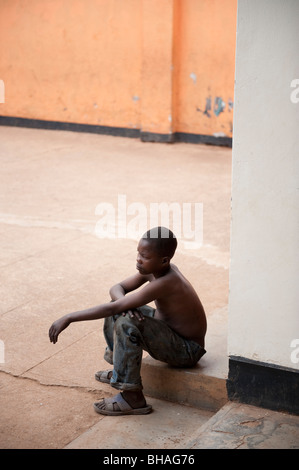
{"x": 174, "y": 332}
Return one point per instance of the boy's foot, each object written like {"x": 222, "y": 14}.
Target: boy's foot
{"x": 126, "y": 403}
{"x": 103, "y": 376}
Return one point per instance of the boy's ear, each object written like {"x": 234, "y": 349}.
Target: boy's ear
{"x": 165, "y": 260}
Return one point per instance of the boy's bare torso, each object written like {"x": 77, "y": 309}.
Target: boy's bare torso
{"x": 180, "y": 306}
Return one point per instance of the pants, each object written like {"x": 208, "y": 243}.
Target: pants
{"x": 127, "y": 338}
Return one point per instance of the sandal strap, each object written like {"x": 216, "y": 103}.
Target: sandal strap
{"x": 102, "y": 375}
{"x": 105, "y": 374}
{"x": 119, "y": 400}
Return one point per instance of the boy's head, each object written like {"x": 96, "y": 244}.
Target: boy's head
{"x": 155, "y": 250}
{"x": 162, "y": 240}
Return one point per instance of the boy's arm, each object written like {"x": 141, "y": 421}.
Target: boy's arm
{"x": 93, "y": 313}
{"x": 129, "y": 302}
{"x": 128, "y": 285}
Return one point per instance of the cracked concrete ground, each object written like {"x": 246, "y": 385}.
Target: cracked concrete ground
{"x": 239, "y": 426}
{"x": 52, "y": 263}
{"x": 35, "y": 416}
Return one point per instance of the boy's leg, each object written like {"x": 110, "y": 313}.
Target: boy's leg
{"x": 108, "y": 335}
{"x": 165, "y": 345}
{"x": 131, "y": 396}
{"x": 132, "y": 336}
{"x": 108, "y": 330}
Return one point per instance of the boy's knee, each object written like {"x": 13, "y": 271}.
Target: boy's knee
{"x": 127, "y": 326}
{"x": 122, "y": 322}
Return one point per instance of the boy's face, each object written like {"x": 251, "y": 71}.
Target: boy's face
{"x": 148, "y": 260}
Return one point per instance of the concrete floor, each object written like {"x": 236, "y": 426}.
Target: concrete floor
{"x": 52, "y": 263}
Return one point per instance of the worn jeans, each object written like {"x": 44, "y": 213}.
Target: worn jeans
{"x": 127, "y": 338}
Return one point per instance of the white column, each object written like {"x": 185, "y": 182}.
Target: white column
{"x": 264, "y": 272}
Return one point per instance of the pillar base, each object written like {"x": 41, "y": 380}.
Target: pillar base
{"x": 261, "y": 384}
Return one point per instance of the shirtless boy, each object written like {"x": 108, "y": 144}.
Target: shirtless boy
{"x": 173, "y": 332}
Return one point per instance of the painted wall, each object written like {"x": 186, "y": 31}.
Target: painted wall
{"x": 161, "y": 66}
{"x": 205, "y": 60}
{"x": 71, "y": 60}
{"x": 264, "y": 272}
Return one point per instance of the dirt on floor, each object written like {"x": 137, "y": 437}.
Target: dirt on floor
{"x": 51, "y": 183}
{"x": 44, "y": 417}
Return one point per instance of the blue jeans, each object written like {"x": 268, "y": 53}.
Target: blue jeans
{"x": 127, "y": 338}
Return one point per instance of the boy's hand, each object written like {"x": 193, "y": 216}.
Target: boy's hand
{"x": 134, "y": 313}
{"x": 57, "y": 327}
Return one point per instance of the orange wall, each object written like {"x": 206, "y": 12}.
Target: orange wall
{"x": 139, "y": 64}
{"x": 205, "y": 59}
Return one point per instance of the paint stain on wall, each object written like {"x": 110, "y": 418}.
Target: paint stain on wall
{"x": 219, "y": 105}
{"x": 208, "y": 107}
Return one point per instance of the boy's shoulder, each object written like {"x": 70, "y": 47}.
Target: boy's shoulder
{"x": 173, "y": 267}
{"x": 170, "y": 276}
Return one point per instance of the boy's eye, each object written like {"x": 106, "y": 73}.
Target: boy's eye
{"x": 143, "y": 255}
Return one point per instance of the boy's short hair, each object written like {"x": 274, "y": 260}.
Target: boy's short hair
{"x": 163, "y": 240}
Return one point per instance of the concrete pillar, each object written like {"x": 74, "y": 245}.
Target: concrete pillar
{"x": 264, "y": 271}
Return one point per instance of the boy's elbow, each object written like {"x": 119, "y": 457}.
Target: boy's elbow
{"x": 116, "y": 291}
{"x": 111, "y": 291}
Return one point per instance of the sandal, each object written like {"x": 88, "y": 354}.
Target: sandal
{"x": 102, "y": 376}
{"x": 124, "y": 407}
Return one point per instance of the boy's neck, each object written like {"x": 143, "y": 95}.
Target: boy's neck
{"x": 162, "y": 272}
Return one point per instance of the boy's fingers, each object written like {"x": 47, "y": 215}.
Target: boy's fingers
{"x": 52, "y": 335}
{"x": 135, "y": 313}
{"x": 139, "y": 315}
